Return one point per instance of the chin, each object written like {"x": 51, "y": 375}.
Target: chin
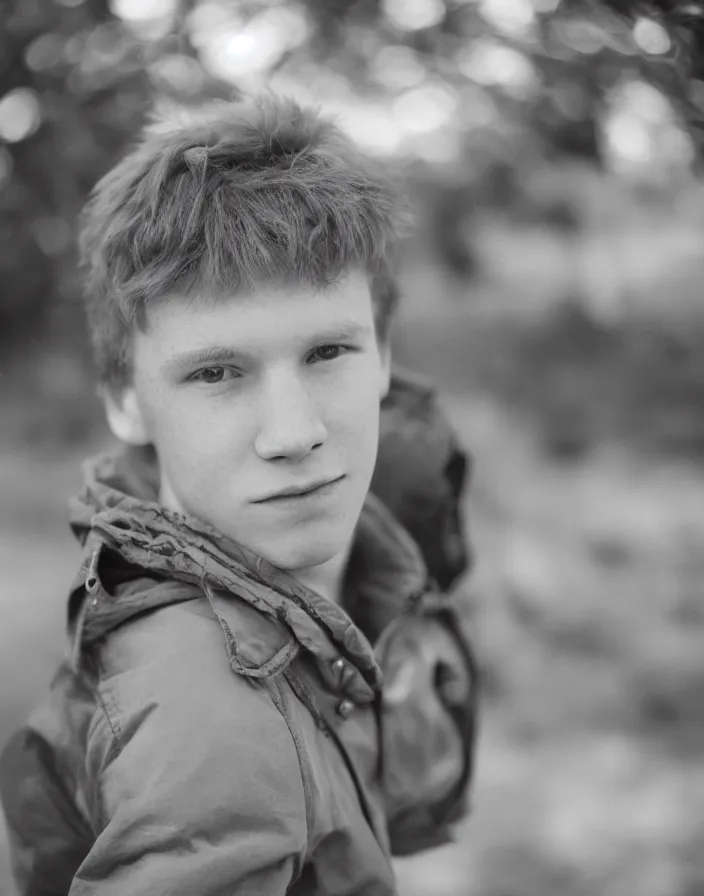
{"x": 304, "y": 555}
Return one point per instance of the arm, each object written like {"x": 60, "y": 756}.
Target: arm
{"x": 199, "y": 789}
{"x": 183, "y": 788}
{"x": 49, "y": 833}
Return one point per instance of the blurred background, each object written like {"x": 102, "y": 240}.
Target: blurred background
{"x": 552, "y": 152}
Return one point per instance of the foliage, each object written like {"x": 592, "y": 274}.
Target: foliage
{"x": 76, "y": 81}
{"x": 83, "y": 93}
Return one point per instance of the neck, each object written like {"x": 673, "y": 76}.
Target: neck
{"x": 326, "y": 579}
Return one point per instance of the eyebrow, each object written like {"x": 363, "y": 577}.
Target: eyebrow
{"x": 220, "y": 354}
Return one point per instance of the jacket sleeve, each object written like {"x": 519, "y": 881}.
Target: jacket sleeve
{"x": 428, "y": 725}
{"x": 199, "y": 788}
{"x": 49, "y": 833}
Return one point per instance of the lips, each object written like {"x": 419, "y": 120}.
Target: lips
{"x": 298, "y": 491}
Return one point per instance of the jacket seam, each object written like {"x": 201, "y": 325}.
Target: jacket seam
{"x": 93, "y": 788}
{"x": 281, "y": 657}
{"x": 282, "y": 704}
{"x": 103, "y": 700}
{"x": 113, "y": 723}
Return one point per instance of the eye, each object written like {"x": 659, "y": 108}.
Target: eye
{"x": 328, "y": 352}
{"x": 212, "y": 375}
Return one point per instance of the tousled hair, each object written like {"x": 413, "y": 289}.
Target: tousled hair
{"x": 223, "y": 199}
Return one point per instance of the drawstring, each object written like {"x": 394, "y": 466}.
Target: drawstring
{"x": 92, "y": 585}
{"x": 92, "y": 579}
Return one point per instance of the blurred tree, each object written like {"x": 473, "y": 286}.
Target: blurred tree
{"x": 75, "y": 85}
{"x": 680, "y": 72}
{"x": 72, "y": 91}
{"x": 474, "y": 91}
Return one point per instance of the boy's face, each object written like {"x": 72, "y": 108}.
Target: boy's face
{"x": 244, "y": 399}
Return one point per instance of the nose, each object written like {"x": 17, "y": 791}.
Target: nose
{"x": 290, "y": 425}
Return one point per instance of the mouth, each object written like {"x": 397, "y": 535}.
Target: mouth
{"x": 294, "y": 492}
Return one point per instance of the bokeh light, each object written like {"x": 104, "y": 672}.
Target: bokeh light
{"x": 651, "y": 37}
{"x": 491, "y": 63}
{"x": 20, "y": 114}
{"x": 414, "y": 15}
{"x": 243, "y": 50}
{"x": 643, "y": 136}
{"x": 514, "y": 17}
{"x": 143, "y": 10}
{"x": 425, "y": 109}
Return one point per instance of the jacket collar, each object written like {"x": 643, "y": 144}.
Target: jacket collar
{"x": 154, "y": 557}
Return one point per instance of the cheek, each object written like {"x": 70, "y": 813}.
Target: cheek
{"x": 358, "y": 387}
{"x": 356, "y": 414}
{"x": 197, "y": 436}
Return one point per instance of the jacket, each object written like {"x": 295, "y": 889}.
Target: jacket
{"x": 217, "y": 728}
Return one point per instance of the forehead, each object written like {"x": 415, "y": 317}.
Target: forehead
{"x": 263, "y": 317}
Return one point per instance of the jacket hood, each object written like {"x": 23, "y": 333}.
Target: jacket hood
{"x": 139, "y": 556}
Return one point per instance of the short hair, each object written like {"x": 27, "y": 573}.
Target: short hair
{"x": 225, "y": 198}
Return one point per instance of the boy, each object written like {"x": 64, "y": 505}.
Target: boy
{"x": 220, "y": 726}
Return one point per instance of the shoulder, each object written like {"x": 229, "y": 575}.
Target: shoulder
{"x": 180, "y": 724}
{"x": 160, "y": 636}
{"x": 173, "y": 664}
{"x": 194, "y": 772}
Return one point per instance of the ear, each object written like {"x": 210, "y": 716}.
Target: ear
{"x": 385, "y": 358}
{"x": 125, "y": 416}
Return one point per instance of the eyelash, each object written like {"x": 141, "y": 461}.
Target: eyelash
{"x": 198, "y": 375}
{"x": 343, "y": 350}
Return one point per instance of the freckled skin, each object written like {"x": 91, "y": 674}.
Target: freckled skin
{"x": 293, "y": 403}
